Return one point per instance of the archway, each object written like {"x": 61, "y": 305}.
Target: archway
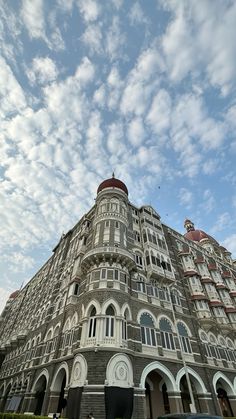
{"x": 5, "y": 397}
{"x": 58, "y": 387}
{"x": 224, "y": 389}
{"x": 40, "y": 393}
{"x": 157, "y": 401}
{"x": 158, "y": 382}
{"x": 185, "y": 396}
{"x": 197, "y": 385}
{"x": 223, "y": 400}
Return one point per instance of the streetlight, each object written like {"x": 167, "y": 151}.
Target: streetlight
{"x": 192, "y": 405}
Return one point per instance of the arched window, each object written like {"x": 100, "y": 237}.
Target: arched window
{"x": 147, "y": 330}
{"x": 124, "y": 325}
{"x": 184, "y": 339}
{"x": 92, "y": 323}
{"x": 110, "y": 319}
{"x": 175, "y": 297}
{"x": 166, "y": 332}
{"x": 48, "y": 339}
{"x": 214, "y": 351}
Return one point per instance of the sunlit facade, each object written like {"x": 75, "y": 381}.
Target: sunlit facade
{"x": 119, "y": 317}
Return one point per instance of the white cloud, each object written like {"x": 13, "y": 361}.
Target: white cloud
{"x": 92, "y": 37}
{"x": 223, "y": 221}
{"x": 32, "y": 14}
{"x": 4, "y": 295}
{"x": 136, "y": 132}
{"x": 160, "y": 112}
{"x": 186, "y": 197}
{"x": 115, "y": 39}
{"x": 142, "y": 82}
{"x": 230, "y": 244}
{"x": 199, "y": 39}
{"x": 12, "y": 95}
{"x": 99, "y": 96}
{"x": 43, "y": 70}
{"x": 89, "y": 9}
{"x": 208, "y": 201}
{"x": 18, "y": 261}
{"x": 136, "y": 15}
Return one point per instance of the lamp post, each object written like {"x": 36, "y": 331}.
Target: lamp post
{"x": 192, "y": 405}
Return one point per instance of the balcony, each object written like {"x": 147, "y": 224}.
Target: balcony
{"x": 108, "y": 254}
{"x": 206, "y": 320}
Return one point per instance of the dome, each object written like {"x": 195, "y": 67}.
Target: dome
{"x": 196, "y": 235}
{"x": 14, "y": 294}
{"x": 112, "y": 183}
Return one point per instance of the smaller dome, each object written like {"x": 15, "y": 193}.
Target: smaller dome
{"x": 112, "y": 183}
{"x": 14, "y": 294}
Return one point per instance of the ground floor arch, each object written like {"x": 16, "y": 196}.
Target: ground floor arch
{"x": 225, "y": 391}
{"x": 39, "y": 388}
{"x": 160, "y": 390}
{"x": 4, "y": 396}
{"x": 58, "y": 398}
{"x": 198, "y": 389}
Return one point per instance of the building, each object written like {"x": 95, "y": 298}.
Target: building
{"x": 128, "y": 318}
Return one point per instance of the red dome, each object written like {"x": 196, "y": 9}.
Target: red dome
{"x": 112, "y": 183}
{"x": 14, "y": 294}
{"x": 196, "y": 235}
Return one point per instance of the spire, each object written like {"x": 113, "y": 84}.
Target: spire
{"x": 113, "y": 174}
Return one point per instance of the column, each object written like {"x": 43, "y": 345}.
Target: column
{"x": 175, "y": 401}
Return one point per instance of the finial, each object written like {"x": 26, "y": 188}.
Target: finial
{"x": 113, "y": 174}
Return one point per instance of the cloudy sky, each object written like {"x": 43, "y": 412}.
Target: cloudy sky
{"x": 145, "y": 88}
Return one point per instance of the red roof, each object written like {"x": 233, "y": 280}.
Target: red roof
{"x": 196, "y": 235}
{"x": 112, "y": 183}
{"x": 14, "y": 294}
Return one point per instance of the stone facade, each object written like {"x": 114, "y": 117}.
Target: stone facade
{"x": 127, "y": 319}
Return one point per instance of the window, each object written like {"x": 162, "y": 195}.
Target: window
{"x": 141, "y": 287}
{"x": 124, "y": 326}
{"x": 137, "y": 236}
{"x": 167, "y": 338}
{"x": 138, "y": 259}
{"x": 92, "y": 324}
{"x": 184, "y": 339}
{"x": 76, "y": 289}
{"x": 110, "y": 318}
{"x": 175, "y": 298}
{"x": 147, "y": 330}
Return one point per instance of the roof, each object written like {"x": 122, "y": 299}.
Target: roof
{"x": 112, "y": 183}
{"x": 14, "y": 294}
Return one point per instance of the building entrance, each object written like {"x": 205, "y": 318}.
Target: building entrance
{"x": 224, "y": 402}
{"x": 40, "y": 393}
{"x": 185, "y": 396}
{"x": 157, "y": 402}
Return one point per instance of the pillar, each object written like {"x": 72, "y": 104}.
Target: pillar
{"x": 232, "y": 401}
{"x": 175, "y": 401}
{"x": 53, "y": 402}
{"x": 139, "y": 410}
{"x": 93, "y": 400}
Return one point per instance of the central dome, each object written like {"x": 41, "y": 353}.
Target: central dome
{"x": 112, "y": 183}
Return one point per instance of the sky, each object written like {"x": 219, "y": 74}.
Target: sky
{"x": 143, "y": 88}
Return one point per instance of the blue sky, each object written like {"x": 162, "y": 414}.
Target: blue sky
{"x": 145, "y": 88}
